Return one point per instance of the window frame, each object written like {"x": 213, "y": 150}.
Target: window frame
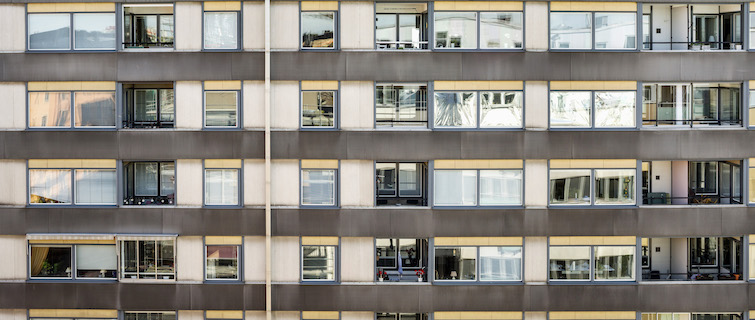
{"x": 478, "y": 117}
{"x": 134, "y": 276}
{"x": 123, "y": 314}
{"x": 336, "y": 30}
{"x": 127, "y": 114}
{"x": 593, "y": 267}
{"x": 336, "y": 118}
{"x": 719, "y": 248}
{"x": 72, "y": 111}
{"x": 336, "y": 264}
{"x": 74, "y": 267}
{"x": 425, "y": 179}
{"x": 423, "y": 251}
{"x": 239, "y": 28}
{"x": 478, "y": 204}
{"x": 159, "y": 163}
{"x": 240, "y": 189}
{"x": 336, "y": 188}
{"x": 478, "y": 34}
{"x": 157, "y": 45}
{"x": 239, "y": 262}
{"x": 239, "y": 108}
{"x": 593, "y": 110}
{"x": 637, "y": 37}
{"x": 477, "y": 279}
{"x": 655, "y": 87}
{"x": 71, "y": 32}
{"x": 73, "y": 187}
{"x": 428, "y": 29}
{"x": 396, "y": 125}
{"x": 593, "y": 189}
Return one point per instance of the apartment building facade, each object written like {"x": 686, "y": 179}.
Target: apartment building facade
{"x": 384, "y": 160}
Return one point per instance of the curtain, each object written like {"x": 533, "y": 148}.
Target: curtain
{"x": 38, "y": 256}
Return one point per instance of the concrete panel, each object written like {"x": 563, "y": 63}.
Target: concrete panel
{"x": 660, "y": 176}
{"x": 536, "y": 183}
{"x": 286, "y": 315}
{"x": 189, "y": 259}
{"x": 535, "y": 316}
{"x": 254, "y": 315}
{"x": 357, "y": 105}
{"x": 188, "y": 17}
{"x": 13, "y": 104}
{"x": 355, "y": 315}
{"x": 189, "y": 109}
{"x": 13, "y": 251}
{"x": 12, "y": 314}
{"x": 254, "y": 25}
{"x": 357, "y": 25}
{"x": 254, "y": 182}
{"x": 285, "y": 183}
{"x": 13, "y": 190}
{"x": 254, "y": 105}
{"x": 535, "y": 30}
{"x": 286, "y": 261}
{"x": 254, "y": 262}
{"x": 284, "y": 103}
{"x": 357, "y": 259}
{"x": 191, "y": 314}
{"x": 189, "y": 182}
{"x": 13, "y": 22}
{"x": 536, "y": 105}
{"x": 357, "y": 183}
{"x": 535, "y": 260}
{"x": 284, "y": 29}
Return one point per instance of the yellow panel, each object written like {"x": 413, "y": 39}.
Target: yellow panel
{"x": 319, "y": 85}
{"x": 751, "y": 172}
{"x": 222, "y": 85}
{"x": 478, "y": 241}
{"x": 98, "y": 163}
{"x": 752, "y": 6}
{"x": 592, "y": 240}
{"x": 444, "y": 6}
{"x": 319, "y": 241}
{"x": 478, "y": 85}
{"x": 592, "y": 163}
{"x": 213, "y": 240}
{"x": 73, "y": 313}
{"x": 70, "y": 85}
{"x": 506, "y": 85}
{"x": 320, "y": 315}
{"x": 620, "y": 241}
{"x": 593, "y": 85}
{"x": 319, "y": 6}
{"x": 72, "y": 163}
{"x": 645, "y": 166}
{"x": 593, "y": 6}
{"x": 478, "y": 164}
{"x": 224, "y": 314}
{"x": 319, "y": 164}
{"x": 222, "y": 163}
{"x": 506, "y": 6}
{"x": 561, "y": 315}
{"x": 505, "y": 241}
{"x": 446, "y": 241}
{"x": 71, "y": 7}
{"x": 472, "y": 6}
{"x": 478, "y": 5}
{"x": 222, "y": 6}
{"x": 645, "y": 242}
{"x": 621, "y": 315}
{"x": 620, "y": 163}
{"x": 751, "y": 114}
{"x": 71, "y": 241}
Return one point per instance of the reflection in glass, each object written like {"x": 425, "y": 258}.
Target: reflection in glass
{"x": 94, "y": 30}
{"x": 386, "y": 29}
{"x": 221, "y": 187}
{"x": 221, "y": 30}
{"x": 500, "y": 263}
{"x": 411, "y": 34}
{"x": 501, "y": 109}
{"x": 148, "y": 26}
{"x": 221, "y": 108}
{"x": 400, "y": 105}
{"x": 386, "y": 252}
{"x": 571, "y": 30}
{"x": 94, "y": 109}
{"x": 49, "y": 31}
{"x": 386, "y": 179}
{"x": 456, "y": 109}
{"x": 145, "y": 30}
{"x": 703, "y": 177}
{"x": 752, "y": 31}
{"x": 570, "y": 109}
{"x": 570, "y": 187}
{"x": 166, "y": 30}
{"x": 455, "y": 187}
{"x": 614, "y": 186}
{"x": 456, "y": 30}
{"x": 500, "y": 187}
{"x": 222, "y": 262}
{"x": 703, "y": 251}
{"x": 96, "y": 261}
{"x": 410, "y": 178}
{"x": 318, "y": 262}
{"x": 50, "y": 186}
{"x": 318, "y": 29}
{"x": 501, "y": 30}
{"x": 145, "y": 178}
{"x": 569, "y": 263}
{"x": 615, "y": 109}
{"x": 50, "y": 262}
{"x": 455, "y": 263}
{"x": 49, "y": 109}
{"x": 317, "y": 109}
{"x": 318, "y": 187}
{"x": 615, "y": 30}
{"x": 95, "y": 186}
{"x": 614, "y": 263}
{"x": 145, "y": 105}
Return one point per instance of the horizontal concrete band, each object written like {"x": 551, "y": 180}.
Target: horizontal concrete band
{"x": 380, "y": 145}
{"x": 642, "y": 222}
{"x": 141, "y": 1}
{"x": 379, "y": 66}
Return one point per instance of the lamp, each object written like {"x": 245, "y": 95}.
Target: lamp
{"x": 453, "y": 275}
{"x": 68, "y": 271}
{"x": 102, "y": 273}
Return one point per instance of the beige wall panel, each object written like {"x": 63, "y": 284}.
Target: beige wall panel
{"x": 254, "y": 315}
{"x": 12, "y": 22}
{"x": 357, "y": 315}
{"x": 357, "y": 25}
{"x": 357, "y": 183}
{"x": 284, "y": 105}
{"x": 535, "y": 183}
{"x": 191, "y": 314}
{"x": 285, "y": 183}
{"x": 190, "y": 259}
{"x": 254, "y": 25}
{"x": 189, "y": 107}
{"x": 536, "y": 105}
{"x": 13, "y": 190}
{"x": 13, "y": 103}
{"x": 13, "y": 251}
{"x": 188, "y": 17}
{"x": 535, "y": 259}
{"x": 12, "y": 314}
{"x": 286, "y": 315}
{"x": 535, "y": 30}
{"x": 535, "y": 316}
{"x": 357, "y": 259}
{"x": 357, "y": 105}
{"x": 189, "y": 182}
{"x": 254, "y": 182}
{"x": 254, "y": 262}
{"x": 284, "y": 29}
{"x": 286, "y": 259}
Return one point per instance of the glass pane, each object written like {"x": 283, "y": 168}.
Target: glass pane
{"x": 167, "y": 32}
{"x": 167, "y": 179}
{"x": 386, "y": 252}
{"x": 501, "y": 109}
{"x": 145, "y": 178}
{"x": 96, "y": 261}
{"x": 704, "y": 104}
{"x": 501, "y": 30}
{"x": 221, "y": 187}
{"x": 703, "y": 251}
{"x": 500, "y": 263}
{"x": 145, "y": 30}
{"x": 94, "y": 31}
{"x": 751, "y": 176}
{"x": 570, "y": 109}
{"x": 50, "y": 186}
{"x": 147, "y": 253}
{"x": 222, "y": 262}
{"x": 129, "y": 259}
{"x": 220, "y": 30}
{"x": 49, "y": 31}
{"x": 318, "y": 262}
{"x": 386, "y": 30}
{"x": 570, "y": 187}
{"x": 145, "y": 105}
{"x": 50, "y": 262}
{"x": 94, "y": 109}
{"x": 455, "y": 187}
{"x": 317, "y": 29}
{"x": 500, "y": 187}
{"x": 572, "y": 30}
{"x": 386, "y": 179}
{"x": 455, "y": 263}
{"x": 404, "y": 105}
{"x": 614, "y": 186}
{"x": 703, "y": 177}
{"x": 167, "y": 105}
{"x": 95, "y": 186}
{"x": 614, "y": 263}
{"x": 615, "y": 109}
{"x": 615, "y": 30}
{"x": 49, "y": 109}
{"x": 456, "y": 109}
{"x": 410, "y": 254}
{"x": 411, "y": 32}
{"x": 410, "y": 179}
{"x": 569, "y": 263}
{"x": 317, "y": 109}
{"x": 456, "y": 30}
{"x": 318, "y": 187}
{"x": 220, "y": 108}
{"x": 752, "y": 32}
{"x": 165, "y": 259}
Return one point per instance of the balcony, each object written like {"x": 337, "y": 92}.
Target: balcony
{"x": 692, "y": 182}
{"x": 695, "y": 27}
{"x": 680, "y": 105}
{"x": 692, "y": 259}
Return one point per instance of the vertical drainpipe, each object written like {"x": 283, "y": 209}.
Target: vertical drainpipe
{"x": 268, "y": 197}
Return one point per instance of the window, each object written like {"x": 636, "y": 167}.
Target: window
{"x": 591, "y": 263}
{"x": 221, "y": 109}
{"x": 691, "y": 104}
{"x": 575, "y": 109}
{"x": 460, "y": 109}
{"x": 478, "y": 187}
{"x": 149, "y": 315}
{"x": 319, "y": 258}
{"x": 409, "y": 265}
{"x": 401, "y": 183}
{"x": 318, "y": 29}
{"x": 149, "y": 183}
{"x": 81, "y": 261}
{"x": 71, "y": 109}
{"x": 67, "y": 186}
{"x": 404, "y": 316}
{"x": 222, "y": 187}
{"x": 149, "y": 105}
{"x": 400, "y": 105}
{"x": 592, "y": 186}
{"x": 52, "y": 31}
{"x": 478, "y": 263}
{"x": 318, "y": 187}
{"x": 593, "y": 30}
{"x": 693, "y": 316}
{"x": 401, "y": 26}
{"x": 703, "y": 251}
{"x": 221, "y": 26}
{"x": 222, "y": 262}
{"x": 458, "y": 30}
{"x": 751, "y": 175}
{"x": 318, "y": 107}
{"x": 148, "y": 259}
{"x": 148, "y": 26}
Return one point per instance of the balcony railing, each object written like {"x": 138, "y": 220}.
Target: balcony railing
{"x": 690, "y": 276}
{"x": 694, "y": 46}
{"x": 662, "y": 198}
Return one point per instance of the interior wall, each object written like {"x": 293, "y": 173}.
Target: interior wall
{"x": 679, "y": 181}
{"x": 679, "y": 257}
{"x": 661, "y": 19}
{"x": 660, "y": 255}
{"x": 680, "y": 27}
{"x": 660, "y": 176}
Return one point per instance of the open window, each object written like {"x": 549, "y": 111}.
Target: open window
{"x": 149, "y": 105}
{"x": 147, "y": 257}
{"x": 691, "y": 104}
{"x": 149, "y": 183}
{"x": 707, "y": 182}
{"x": 696, "y": 27}
{"x": 401, "y": 183}
{"x": 148, "y": 26}
{"x": 401, "y": 260}
{"x": 401, "y": 26}
{"x": 694, "y": 259}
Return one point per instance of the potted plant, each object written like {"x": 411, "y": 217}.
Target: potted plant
{"x": 420, "y": 275}
{"x": 381, "y": 274}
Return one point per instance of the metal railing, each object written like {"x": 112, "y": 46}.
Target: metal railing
{"x": 702, "y": 199}
{"x": 690, "y": 276}
{"x": 402, "y": 45}
{"x": 694, "y": 46}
